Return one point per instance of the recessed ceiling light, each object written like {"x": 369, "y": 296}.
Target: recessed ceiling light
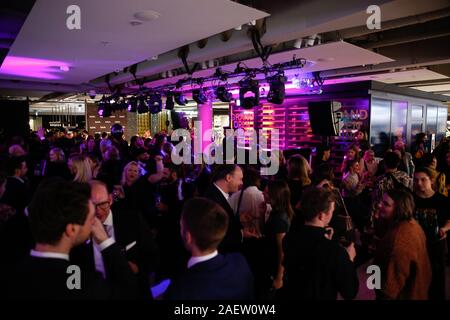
{"x": 325, "y": 59}
{"x": 147, "y": 15}
{"x": 135, "y": 22}
{"x": 64, "y": 68}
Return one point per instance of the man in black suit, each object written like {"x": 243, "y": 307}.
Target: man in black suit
{"x": 316, "y": 267}
{"x": 17, "y": 230}
{"x": 131, "y": 233}
{"x": 62, "y": 217}
{"x": 210, "y": 275}
{"x": 227, "y": 179}
{"x": 16, "y": 194}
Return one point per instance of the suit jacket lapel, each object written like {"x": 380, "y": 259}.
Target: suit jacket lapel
{"x": 224, "y": 202}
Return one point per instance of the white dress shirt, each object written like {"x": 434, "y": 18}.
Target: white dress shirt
{"x": 98, "y": 248}
{"x": 251, "y": 206}
{"x": 194, "y": 260}
{"x": 49, "y": 255}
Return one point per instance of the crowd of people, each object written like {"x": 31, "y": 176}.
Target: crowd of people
{"x": 129, "y": 218}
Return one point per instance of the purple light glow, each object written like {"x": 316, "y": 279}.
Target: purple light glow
{"x": 33, "y": 68}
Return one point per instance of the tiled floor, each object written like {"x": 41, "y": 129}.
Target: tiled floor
{"x": 366, "y": 294}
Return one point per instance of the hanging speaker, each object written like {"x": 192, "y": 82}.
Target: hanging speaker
{"x": 324, "y": 117}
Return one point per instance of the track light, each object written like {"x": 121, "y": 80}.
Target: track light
{"x": 141, "y": 106}
{"x": 124, "y": 104}
{"x": 277, "y": 89}
{"x": 104, "y": 107}
{"x": 170, "y": 104}
{"x": 180, "y": 99}
{"x": 199, "y": 96}
{"x": 132, "y": 104}
{"x": 223, "y": 94}
{"x": 155, "y": 103}
{"x": 249, "y": 93}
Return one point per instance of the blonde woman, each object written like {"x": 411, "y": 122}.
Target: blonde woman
{"x": 130, "y": 174}
{"x": 80, "y": 168}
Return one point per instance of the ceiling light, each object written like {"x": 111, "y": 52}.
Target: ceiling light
{"x": 141, "y": 106}
{"x": 277, "y": 89}
{"x": 122, "y": 105}
{"x": 147, "y": 15}
{"x": 223, "y": 94}
{"x": 180, "y": 99}
{"x": 170, "y": 104}
{"x": 132, "y": 104}
{"x": 155, "y": 103}
{"x": 104, "y": 108}
{"x": 249, "y": 93}
{"x": 64, "y": 68}
{"x": 92, "y": 93}
{"x": 135, "y": 23}
{"x": 199, "y": 96}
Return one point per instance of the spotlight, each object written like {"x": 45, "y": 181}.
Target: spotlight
{"x": 298, "y": 43}
{"x": 141, "y": 106}
{"x": 180, "y": 99}
{"x": 223, "y": 95}
{"x": 155, "y": 103}
{"x": 199, "y": 96}
{"x": 249, "y": 93}
{"x": 92, "y": 94}
{"x": 122, "y": 104}
{"x": 132, "y": 104}
{"x": 104, "y": 112}
{"x": 170, "y": 104}
{"x": 277, "y": 89}
{"x": 104, "y": 108}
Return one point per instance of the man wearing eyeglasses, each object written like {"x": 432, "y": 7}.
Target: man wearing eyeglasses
{"x": 128, "y": 229}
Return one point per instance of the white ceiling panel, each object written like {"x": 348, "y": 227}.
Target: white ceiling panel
{"x": 47, "y": 50}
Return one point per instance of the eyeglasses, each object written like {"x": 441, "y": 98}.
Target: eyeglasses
{"x": 102, "y": 205}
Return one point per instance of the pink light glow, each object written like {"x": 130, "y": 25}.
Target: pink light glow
{"x": 33, "y": 68}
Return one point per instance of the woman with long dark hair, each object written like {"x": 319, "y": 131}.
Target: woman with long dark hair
{"x": 278, "y": 195}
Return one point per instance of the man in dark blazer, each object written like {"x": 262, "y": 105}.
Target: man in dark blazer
{"x": 210, "y": 275}
{"x": 16, "y": 193}
{"x": 62, "y": 217}
{"x": 16, "y": 233}
{"x": 316, "y": 267}
{"x": 131, "y": 233}
{"x": 227, "y": 179}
